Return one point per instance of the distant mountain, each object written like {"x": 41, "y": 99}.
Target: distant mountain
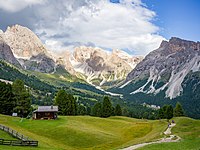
{"x": 23, "y": 42}
{"x": 94, "y": 65}
{"x": 100, "y": 66}
{"x": 170, "y": 72}
{"x": 167, "y": 67}
{"x": 28, "y": 49}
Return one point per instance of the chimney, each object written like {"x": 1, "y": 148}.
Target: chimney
{"x": 51, "y": 106}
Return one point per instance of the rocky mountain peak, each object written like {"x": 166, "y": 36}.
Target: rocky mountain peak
{"x": 91, "y": 63}
{"x": 82, "y": 53}
{"x": 167, "y": 66}
{"x": 23, "y": 42}
{"x": 163, "y": 44}
{"x": 176, "y": 44}
{"x": 96, "y": 63}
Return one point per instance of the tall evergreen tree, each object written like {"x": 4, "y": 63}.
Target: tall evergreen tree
{"x": 97, "y": 110}
{"x": 106, "y": 107}
{"x": 61, "y": 101}
{"x": 118, "y": 110}
{"x": 22, "y": 97}
{"x": 7, "y": 101}
{"x": 169, "y": 112}
{"x": 161, "y": 114}
{"x": 178, "y": 110}
{"x": 164, "y": 109}
{"x": 66, "y": 103}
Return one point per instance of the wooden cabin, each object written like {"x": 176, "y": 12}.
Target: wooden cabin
{"x": 46, "y": 112}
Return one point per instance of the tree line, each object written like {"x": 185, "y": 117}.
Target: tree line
{"x": 105, "y": 109}
{"x": 68, "y": 105}
{"x": 15, "y": 98}
{"x": 168, "y": 112}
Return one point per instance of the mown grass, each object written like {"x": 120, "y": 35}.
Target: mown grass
{"x": 84, "y": 132}
{"x": 189, "y": 131}
{"x": 5, "y": 135}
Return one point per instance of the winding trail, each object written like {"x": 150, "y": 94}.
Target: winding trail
{"x": 172, "y": 138}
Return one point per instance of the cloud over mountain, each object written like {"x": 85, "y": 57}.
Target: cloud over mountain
{"x": 61, "y": 24}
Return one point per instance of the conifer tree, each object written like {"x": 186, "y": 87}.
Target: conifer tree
{"x": 66, "y": 103}
{"x": 22, "y": 97}
{"x": 7, "y": 101}
{"x": 178, "y": 110}
{"x": 97, "y": 110}
{"x": 161, "y": 114}
{"x": 169, "y": 112}
{"x": 106, "y": 107}
{"x": 118, "y": 110}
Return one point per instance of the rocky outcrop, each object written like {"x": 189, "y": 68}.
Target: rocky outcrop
{"x": 6, "y": 53}
{"x": 23, "y": 42}
{"x": 96, "y": 63}
{"x": 167, "y": 67}
{"x": 29, "y": 50}
{"x": 40, "y": 63}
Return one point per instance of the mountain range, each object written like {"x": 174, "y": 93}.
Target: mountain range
{"x": 166, "y": 75}
{"x": 94, "y": 65}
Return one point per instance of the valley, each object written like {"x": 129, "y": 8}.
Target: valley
{"x": 99, "y": 75}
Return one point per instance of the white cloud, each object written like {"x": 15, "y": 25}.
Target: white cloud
{"x": 124, "y": 25}
{"x": 17, "y": 5}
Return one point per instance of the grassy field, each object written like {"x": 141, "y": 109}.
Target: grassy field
{"x": 6, "y": 135}
{"x": 189, "y": 131}
{"x": 84, "y": 132}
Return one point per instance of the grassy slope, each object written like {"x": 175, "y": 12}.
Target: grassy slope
{"x": 188, "y": 129}
{"x": 4, "y": 135}
{"x": 85, "y": 132}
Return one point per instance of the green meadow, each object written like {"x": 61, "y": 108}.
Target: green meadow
{"x": 83, "y": 132}
{"x": 189, "y": 131}
{"x": 91, "y": 133}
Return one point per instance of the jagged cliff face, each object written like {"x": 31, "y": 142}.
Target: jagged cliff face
{"x": 28, "y": 49}
{"x": 166, "y": 68}
{"x": 98, "y": 64}
{"x": 23, "y": 42}
{"x": 6, "y": 53}
{"x": 40, "y": 63}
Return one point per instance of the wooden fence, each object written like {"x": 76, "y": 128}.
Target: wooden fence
{"x": 18, "y": 142}
{"x": 23, "y": 140}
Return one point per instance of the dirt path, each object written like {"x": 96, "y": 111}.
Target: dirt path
{"x": 171, "y": 138}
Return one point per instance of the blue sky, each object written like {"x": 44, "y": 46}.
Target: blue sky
{"x": 180, "y": 18}
{"x": 136, "y": 26}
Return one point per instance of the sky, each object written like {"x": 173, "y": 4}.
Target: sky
{"x": 136, "y": 26}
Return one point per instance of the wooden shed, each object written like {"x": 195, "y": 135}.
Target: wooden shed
{"x": 46, "y": 112}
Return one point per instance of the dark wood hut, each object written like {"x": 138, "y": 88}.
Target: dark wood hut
{"x": 46, "y": 112}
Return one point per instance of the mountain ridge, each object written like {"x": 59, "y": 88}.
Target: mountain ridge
{"x": 94, "y": 65}
{"x": 175, "y": 58}
{"x": 166, "y": 75}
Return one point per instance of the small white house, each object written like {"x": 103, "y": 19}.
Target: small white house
{"x": 14, "y": 114}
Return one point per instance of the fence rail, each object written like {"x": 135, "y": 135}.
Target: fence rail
{"x": 23, "y": 140}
